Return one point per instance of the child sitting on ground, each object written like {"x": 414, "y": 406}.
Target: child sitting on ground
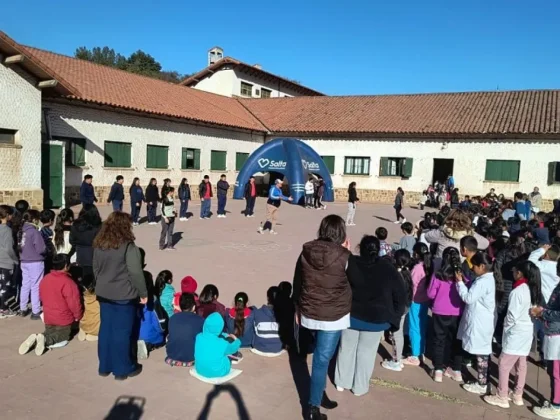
{"x": 188, "y": 285}
{"x": 212, "y": 348}
{"x": 184, "y": 326}
{"x": 153, "y": 323}
{"x": 267, "y": 334}
{"x": 384, "y": 248}
{"x": 407, "y": 241}
{"x": 90, "y": 322}
{"x": 208, "y": 302}
{"x": 61, "y": 308}
{"x": 239, "y": 322}
{"x": 164, "y": 291}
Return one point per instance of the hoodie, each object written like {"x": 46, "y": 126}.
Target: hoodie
{"x": 445, "y": 237}
{"x": 267, "y": 337}
{"x": 222, "y": 187}
{"x": 166, "y": 299}
{"x": 248, "y": 330}
{"x": 183, "y": 329}
{"x": 81, "y": 239}
{"x": 152, "y": 328}
{"x": 33, "y": 248}
{"x": 117, "y": 192}
{"x": 211, "y": 349}
{"x": 152, "y": 194}
{"x": 61, "y": 299}
{"x": 87, "y": 193}
{"x": 188, "y": 285}
{"x": 8, "y": 257}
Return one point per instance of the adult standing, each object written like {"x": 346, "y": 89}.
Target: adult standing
{"x": 399, "y": 203}
{"x": 120, "y": 286}
{"x": 205, "y": 193}
{"x": 378, "y": 303}
{"x": 323, "y": 300}
{"x": 250, "y": 195}
{"x": 184, "y": 193}
{"x": 222, "y": 189}
{"x": 352, "y": 203}
{"x": 320, "y": 190}
{"x": 116, "y": 196}
{"x": 8, "y": 262}
{"x": 152, "y": 198}
{"x": 136, "y": 197}
{"x": 82, "y": 233}
{"x": 536, "y": 200}
{"x": 275, "y": 198}
{"x": 87, "y": 192}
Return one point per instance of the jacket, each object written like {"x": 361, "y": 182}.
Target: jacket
{"x": 419, "y": 290}
{"x": 398, "y": 200}
{"x": 183, "y": 329}
{"x": 87, "y": 193}
{"x": 352, "y": 195}
{"x": 118, "y": 273}
{"x": 184, "y": 192}
{"x": 248, "y": 330}
{"x": 520, "y": 210}
{"x": 151, "y": 325}
{"x": 33, "y": 248}
{"x": 378, "y": 292}
{"x": 8, "y": 256}
{"x": 61, "y": 299}
{"x": 206, "y": 309}
{"x": 548, "y": 269}
{"x": 202, "y": 189}
{"x": 168, "y": 207}
{"x": 445, "y": 297}
{"x": 322, "y": 291}
{"x": 152, "y": 194}
{"x": 446, "y": 237}
{"x": 81, "y": 239}
{"x": 222, "y": 187}
{"x": 518, "y": 326}
{"x": 247, "y": 191}
{"x": 536, "y": 200}
{"x": 309, "y": 188}
{"x": 275, "y": 196}
{"x": 211, "y": 349}
{"x": 117, "y": 192}
{"x": 91, "y": 320}
{"x": 551, "y": 313}
{"x": 136, "y": 194}
{"x": 166, "y": 299}
{"x": 479, "y": 318}
{"x": 267, "y": 335}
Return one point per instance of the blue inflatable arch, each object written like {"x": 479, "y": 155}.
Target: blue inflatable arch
{"x": 291, "y": 158}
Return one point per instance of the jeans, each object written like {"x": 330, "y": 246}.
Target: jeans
{"x": 183, "y": 209}
{"x": 309, "y": 200}
{"x": 326, "y": 343}
{"x": 351, "y": 213}
{"x": 32, "y": 273}
{"x": 205, "y": 207}
{"x": 166, "y": 237}
{"x": 117, "y": 205}
{"x": 135, "y": 211}
{"x": 222, "y": 199}
{"x": 152, "y": 213}
{"x": 250, "y": 207}
{"x": 417, "y": 327}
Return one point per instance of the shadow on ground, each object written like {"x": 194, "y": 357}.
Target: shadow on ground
{"x": 242, "y": 413}
{"x": 127, "y": 408}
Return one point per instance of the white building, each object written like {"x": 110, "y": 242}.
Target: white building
{"x": 230, "y": 77}
{"x": 91, "y": 119}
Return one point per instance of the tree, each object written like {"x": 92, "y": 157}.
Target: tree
{"x": 142, "y": 63}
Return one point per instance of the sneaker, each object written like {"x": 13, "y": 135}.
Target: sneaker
{"x": 171, "y": 248}
{"x": 338, "y": 388}
{"x": 90, "y": 337}
{"x": 236, "y": 358}
{"x": 404, "y": 220}
{"x": 142, "y": 350}
{"x": 40, "y": 346}
{"x": 273, "y": 232}
{"x": 23, "y": 314}
{"x": 27, "y": 344}
{"x": 547, "y": 411}
{"x": 82, "y": 335}
{"x": 438, "y": 376}
{"x": 475, "y": 388}
{"x": 516, "y": 399}
{"x": 59, "y": 345}
{"x": 392, "y": 365}
{"x": 411, "y": 361}
{"x": 261, "y": 231}
{"x": 496, "y": 400}
{"x": 453, "y": 374}
{"x": 397, "y": 222}
{"x": 206, "y": 218}
{"x": 8, "y": 313}
{"x": 36, "y": 317}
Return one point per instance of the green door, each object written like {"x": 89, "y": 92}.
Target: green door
{"x": 51, "y": 175}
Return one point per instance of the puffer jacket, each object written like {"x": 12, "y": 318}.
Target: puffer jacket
{"x": 321, "y": 288}
{"x": 445, "y": 237}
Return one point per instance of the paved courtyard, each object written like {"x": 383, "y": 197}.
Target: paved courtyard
{"x": 63, "y": 384}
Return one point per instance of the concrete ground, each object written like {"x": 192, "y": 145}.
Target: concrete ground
{"x": 64, "y": 384}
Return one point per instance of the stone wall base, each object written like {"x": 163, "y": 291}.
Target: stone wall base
{"x": 33, "y": 196}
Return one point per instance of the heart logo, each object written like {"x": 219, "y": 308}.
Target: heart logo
{"x": 263, "y": 163}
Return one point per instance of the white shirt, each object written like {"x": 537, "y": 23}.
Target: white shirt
{"x": 309, "y": 188}
{"x": 518, "y": 326}
{"x": 549, "y": 278}
{"x": 340, "y": 324}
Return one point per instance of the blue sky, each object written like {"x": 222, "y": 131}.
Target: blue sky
{"x": 351, "y": 47}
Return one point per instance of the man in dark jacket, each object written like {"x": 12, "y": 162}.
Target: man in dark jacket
{"x": 250, "y": 195}
{"x": 223, "y": 187}
{"x": 205, "y": 194}
{"x": 184, "y": 197}
{"x": 116, "y": 196}
{"x": 87, "y": 193}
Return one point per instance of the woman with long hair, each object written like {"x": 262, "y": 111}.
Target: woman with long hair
{"x": 352, "y": 202}
{"x": 136, "y": 198}
{"x": 152, "y": 198}
{"x": 62, "y": 227}
{"x": 120, "y": 285}
{"x": 82, "y": 234}
{"x": 399, "y": 204}
{"x": 239, "y": 322}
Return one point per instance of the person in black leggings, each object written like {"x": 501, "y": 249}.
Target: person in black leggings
{"x": 399, "y": 201}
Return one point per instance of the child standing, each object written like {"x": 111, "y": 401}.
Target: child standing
{"x": 239, "y": 322}
{"x": 62, "y": 227}
{"x": 446, "y": 314}
{"x": 418, "y": 314}
{"x": 184, "y": 198}
{"x": 352, "y": 202}
{"x": 208, "y": 302}
{"x": 165, "y": 291}
{"x": 152, "y": 198}
{"x": 477, "y": 325}
{"x": 168, "y": 215}
{"x": 309, "y": 190}
{"x": 8, "y": 262}
{"x": 184, "y": 326}
{"x": 384, "y": 248}
{"x": 407, "y": 241}
{"x": 399, "y": 203}
{"x": 32, "y": 252}
{"x": 518, "y": 333}
{"x": 47, "y": 220}
{"x": 136, "y": 198}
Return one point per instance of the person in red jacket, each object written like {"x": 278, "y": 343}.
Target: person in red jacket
{"x": 62, "y": 307}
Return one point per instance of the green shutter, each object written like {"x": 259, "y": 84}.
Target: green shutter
{"x": 197, "y": 159}
{"x": 502, "y": 170}
{"x": 329, "y": 163}
{"x": 118, "y": 155}
{"x": 240, "y": 159}
{"x": 218, "y": 160}
{"x": 184, "y": 158}
{"x": 407, "y": 168}
{"x": 383, "y": 166}
{"x": 111, "y": 154}
{"x": 157, "y": 157}
{"x": 552, "y": 172}
{"x": 125, "y": 155}
{"x": 79, "y": 158}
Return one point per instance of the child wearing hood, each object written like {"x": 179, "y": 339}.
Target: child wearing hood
{"x": 188, "y": 285}
{"x": 212, "y": 348}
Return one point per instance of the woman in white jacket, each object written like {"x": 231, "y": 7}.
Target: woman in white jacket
{"x": 479, "y": 318}
{"x": 518, "y": 333}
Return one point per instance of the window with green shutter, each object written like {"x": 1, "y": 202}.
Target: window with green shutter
{"x": 553, "y": 173}
{"x": 240, "y": 159}
{"x": 118, "y": 155}
{"x": 157, "y": 157}
{"x": 391, "y": 166}
{"x": 190, "y": 158}
{"x": 75, "y": 152}
{"x": 218, "y": 160}
{"x": 502, "y": 170}
{"x": 356, "y": 165}
{"x": 329, "y": 163}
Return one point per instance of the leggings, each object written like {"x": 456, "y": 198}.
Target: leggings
{"x": 482, "y": 364}
{"x": 398, "y": 213}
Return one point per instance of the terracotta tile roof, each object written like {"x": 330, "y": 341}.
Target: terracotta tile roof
{"x": 107, "y": 86}
{"x": 478, "y": 114}
{"x": 195, "y": 78}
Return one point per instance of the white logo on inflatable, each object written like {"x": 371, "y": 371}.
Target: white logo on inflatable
{"x": 310, "y": 166}
{"x": 275, "y": 164}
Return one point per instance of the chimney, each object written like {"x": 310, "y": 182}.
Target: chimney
{"x": 215, "y": 54}
{"x": 257, "y": 66}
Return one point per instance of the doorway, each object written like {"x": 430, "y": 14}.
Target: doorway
{"x": 51, "y": 175}
{"x": 442, "y": 169}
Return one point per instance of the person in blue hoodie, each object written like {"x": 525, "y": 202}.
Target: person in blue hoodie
{"x": 184, "y": 192}
{"x": 213, "y": 347}
{"x": 520, "y": 208}
{"x": 153, "y": 322}
{"x": 136, "y": 199}
{"x": 184, "y": 327}
{"x": 87, "y": 193}
{"x": 116, "y": 196}
{"x": 275, "y": 198}
{"x": 267, "y": 335}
